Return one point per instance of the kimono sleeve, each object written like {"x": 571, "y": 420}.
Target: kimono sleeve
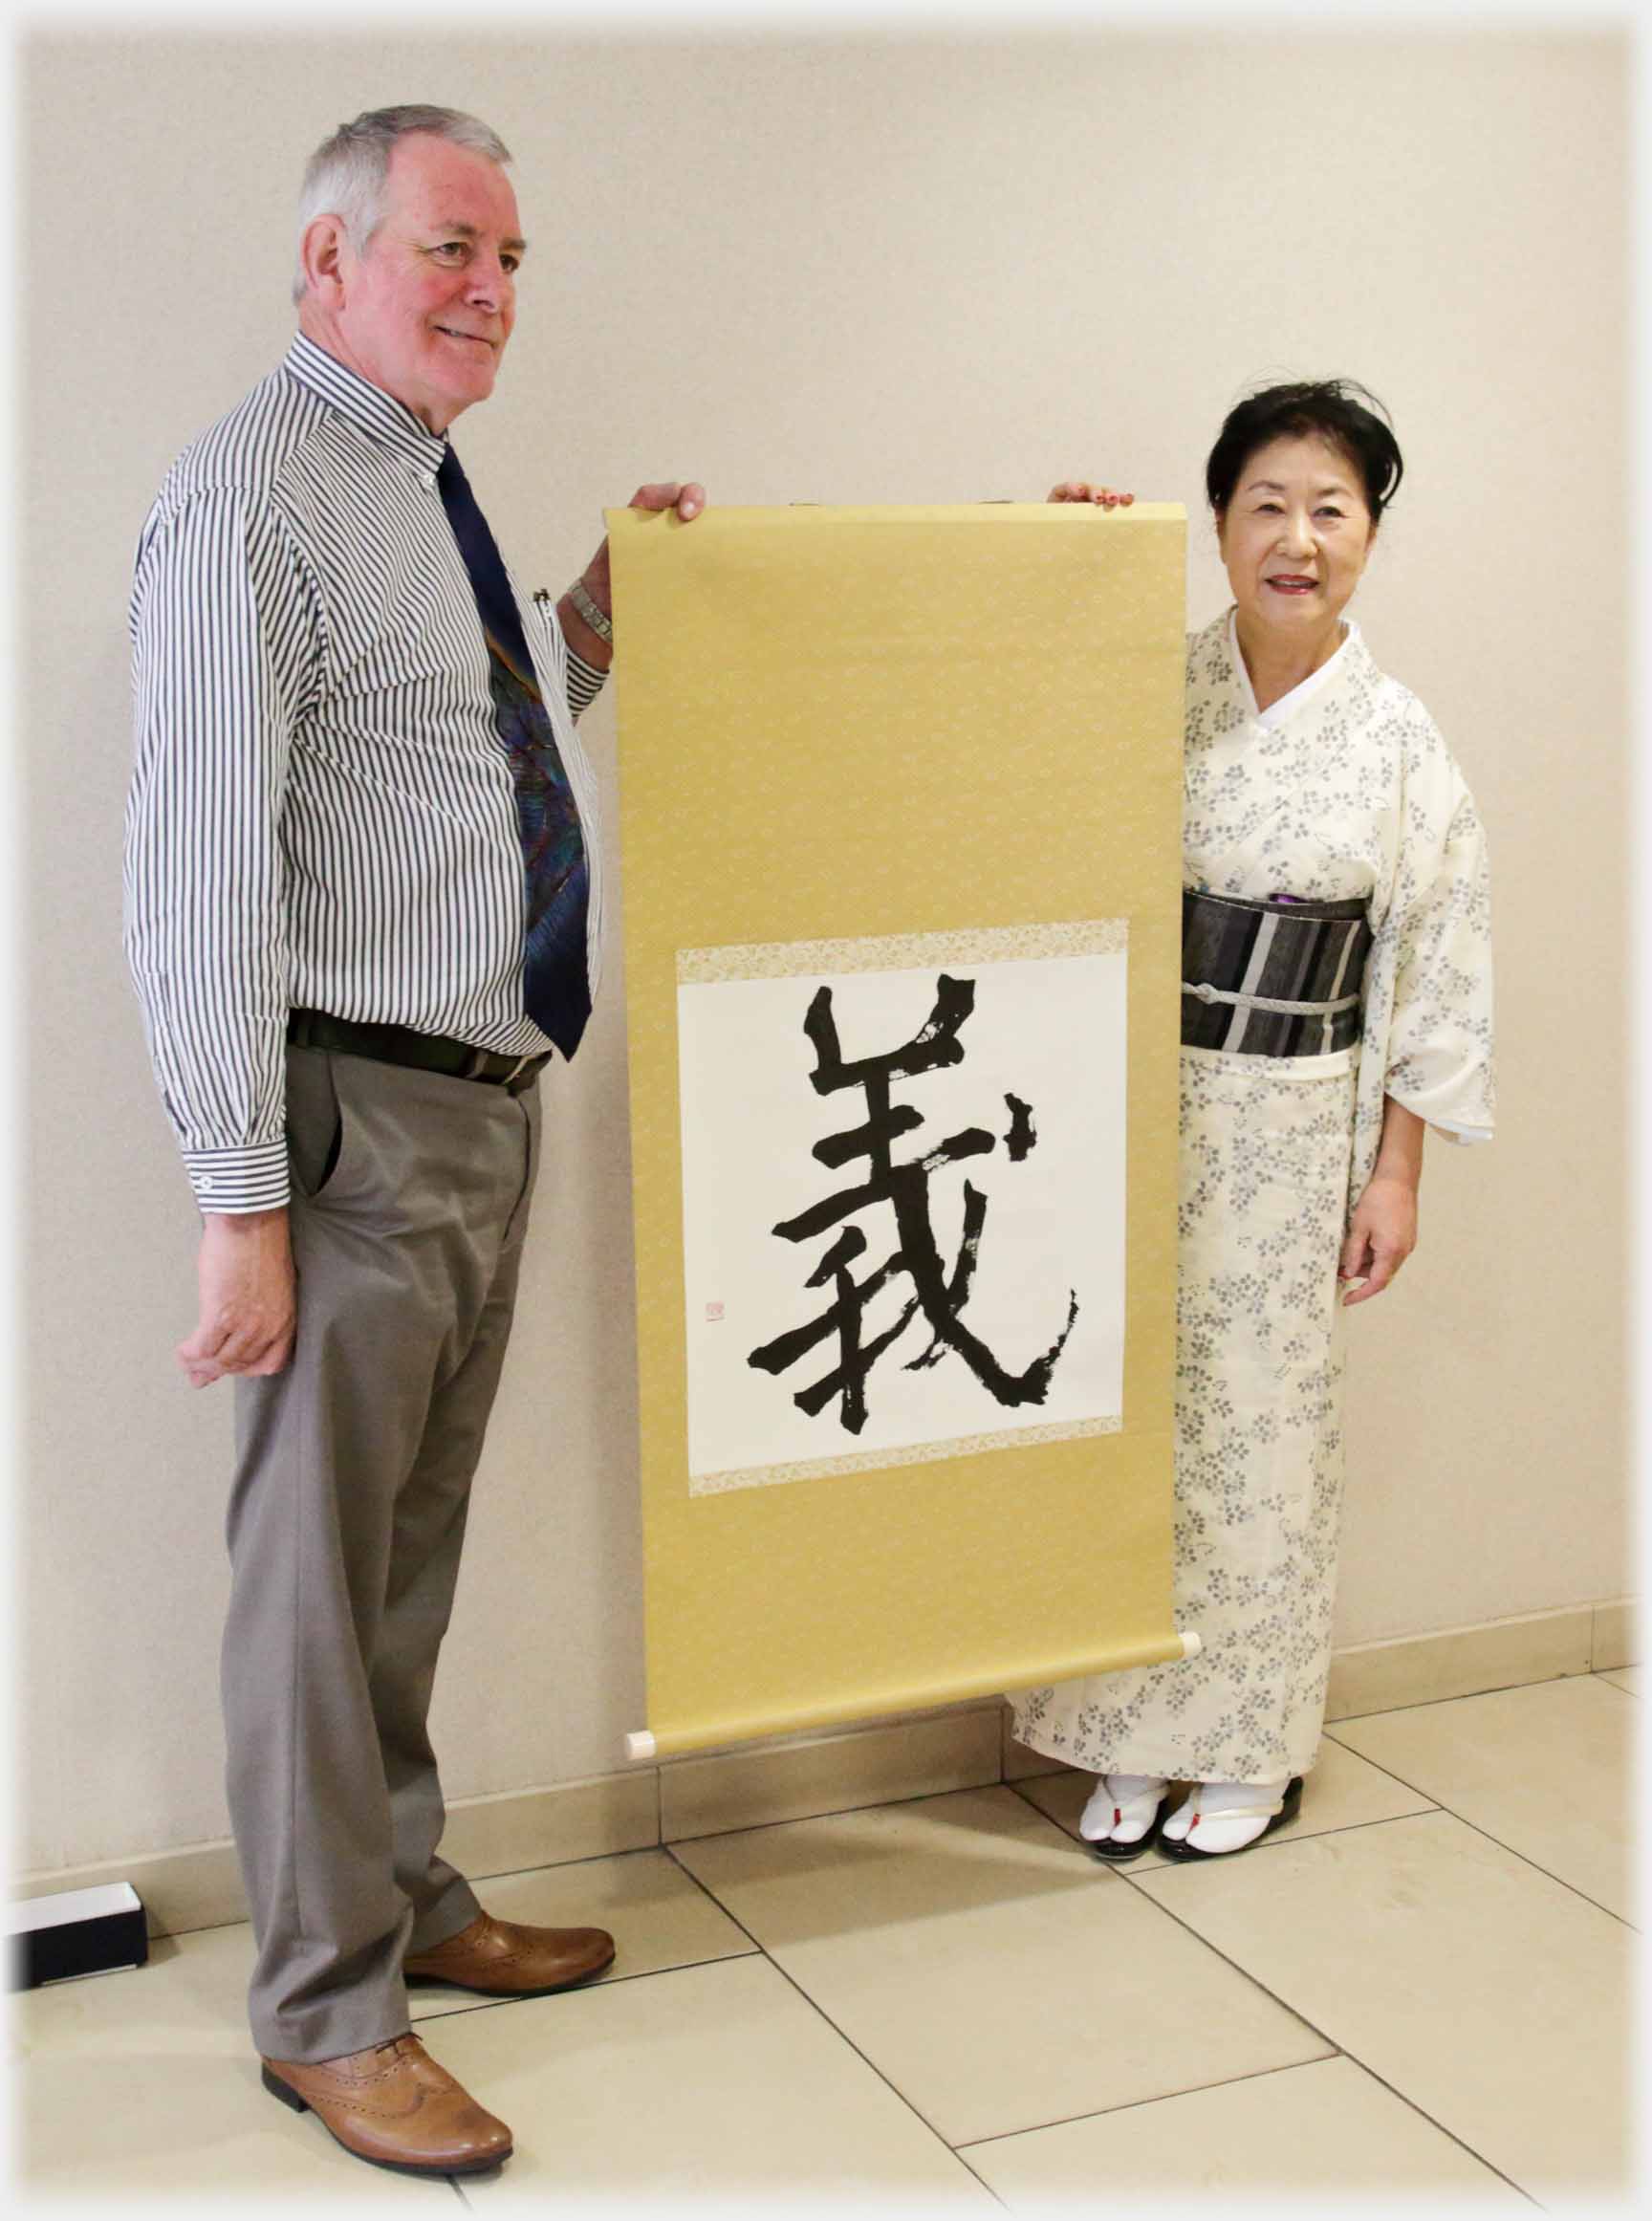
{"x": 1439, "y": 1055}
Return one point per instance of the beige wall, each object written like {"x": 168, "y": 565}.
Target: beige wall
{"x": 855, "y": 272}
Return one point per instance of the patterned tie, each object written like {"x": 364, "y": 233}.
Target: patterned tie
{"x": 556, "y": 982}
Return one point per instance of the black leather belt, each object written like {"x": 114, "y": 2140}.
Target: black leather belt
{"x": 426, "y": 1051}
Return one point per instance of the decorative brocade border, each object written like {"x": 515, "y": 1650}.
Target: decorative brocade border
{"x": 918, "y": 1453}
{"x": 902, "y": 951}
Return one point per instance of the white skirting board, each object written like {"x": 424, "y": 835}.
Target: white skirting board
{"x": 965, "y": 1747}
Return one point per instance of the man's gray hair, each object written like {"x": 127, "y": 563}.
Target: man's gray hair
{"x": 345, "y": 175}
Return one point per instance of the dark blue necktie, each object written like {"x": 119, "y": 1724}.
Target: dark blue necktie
{"x": 555, "y": 981}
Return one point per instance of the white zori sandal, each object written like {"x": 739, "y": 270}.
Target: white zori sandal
{"x": 1224, "y": 1816}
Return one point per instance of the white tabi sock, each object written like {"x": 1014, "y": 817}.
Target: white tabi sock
{"x": 1219, "y": 1828}
{"x": 1121, "y": 1808}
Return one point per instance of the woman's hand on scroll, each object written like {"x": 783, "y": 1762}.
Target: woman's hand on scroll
{"x": 1382, "y": 1235}
{"x": 1081, "y": 489}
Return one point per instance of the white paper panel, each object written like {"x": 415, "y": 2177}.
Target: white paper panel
{"x": 1048, "y": 1031}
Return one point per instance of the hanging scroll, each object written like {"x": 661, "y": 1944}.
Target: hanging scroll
{"x": 900, "y": 831}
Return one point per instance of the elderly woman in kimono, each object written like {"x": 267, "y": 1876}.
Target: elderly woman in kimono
{"x": 1336, "y": 1004}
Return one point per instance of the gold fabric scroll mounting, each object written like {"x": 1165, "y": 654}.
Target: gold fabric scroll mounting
{"x": 901, "y": 796}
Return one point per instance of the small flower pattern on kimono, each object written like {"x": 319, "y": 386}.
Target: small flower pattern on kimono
{"x": 1352, "y": 794}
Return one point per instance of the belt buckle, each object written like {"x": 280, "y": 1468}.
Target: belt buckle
{"x": 507, "y": 1078}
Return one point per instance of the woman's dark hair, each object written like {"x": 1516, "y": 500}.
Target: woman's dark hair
{"x": 1335, "y": 410}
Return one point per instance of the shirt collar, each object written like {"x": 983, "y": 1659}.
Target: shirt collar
{"x": 368, "y": 406}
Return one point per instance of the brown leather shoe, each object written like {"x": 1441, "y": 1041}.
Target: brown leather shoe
{"x": 505, "y": 1959}
{"x": 392, "y": 2104}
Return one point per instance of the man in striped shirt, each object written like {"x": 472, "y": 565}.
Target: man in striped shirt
{"x": 363, "y": 903}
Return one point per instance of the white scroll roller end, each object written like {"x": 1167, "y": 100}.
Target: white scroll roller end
{"x": 641, "y": 1745}
{"x": 1191, "y": 1645}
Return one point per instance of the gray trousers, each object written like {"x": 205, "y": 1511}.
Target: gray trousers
{"x": 410, "y": 1198}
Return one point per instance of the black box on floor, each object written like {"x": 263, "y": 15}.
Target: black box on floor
{"x": 74, "y": 1933}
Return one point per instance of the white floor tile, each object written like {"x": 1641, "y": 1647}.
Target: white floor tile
{"x": 994, "y": 1972}
{"x": 1490, "y": 1996}
{"x": 1544, "y": 1769}
{"x": 712, "y": 2083}
{"x": 1327, "y": 2130}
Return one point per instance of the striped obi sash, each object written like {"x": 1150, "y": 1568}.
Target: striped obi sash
{"x": 1276, "y": 978}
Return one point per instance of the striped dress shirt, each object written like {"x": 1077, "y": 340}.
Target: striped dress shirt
{"x": 322, "y": 815}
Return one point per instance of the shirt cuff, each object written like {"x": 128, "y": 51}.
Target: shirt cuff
{"x": 239, "y": 1180}
{"x": 584, "y": 682}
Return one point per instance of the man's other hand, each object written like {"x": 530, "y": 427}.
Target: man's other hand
{"x": 248, "y": 1299}
{"x": 686, "y": 500}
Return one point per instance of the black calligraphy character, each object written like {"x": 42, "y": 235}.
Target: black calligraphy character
{"x": 939, "y": 1293}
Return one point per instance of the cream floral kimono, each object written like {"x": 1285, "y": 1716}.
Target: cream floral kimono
{"x": 1345, "y": 789}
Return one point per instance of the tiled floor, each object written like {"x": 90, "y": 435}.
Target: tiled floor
{"x": 1419, "y": 1988}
